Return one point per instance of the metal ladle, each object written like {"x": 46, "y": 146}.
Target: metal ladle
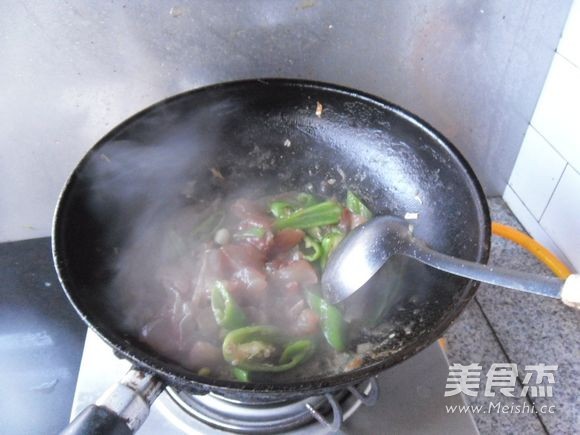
{"x": 368, "y": 247}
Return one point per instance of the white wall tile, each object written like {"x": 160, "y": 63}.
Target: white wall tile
{"x": 544, "y": 187}
{"x": 561, "y": 220}
{"x": 557, "y": 115}
{"x": 536, "y": 172}
{"x": 569, "y": 45}
{"x": 532, "y": 226}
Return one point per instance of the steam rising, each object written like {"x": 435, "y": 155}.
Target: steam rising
{"x": 142, "y": 191}
{"x": 138, "y": 187}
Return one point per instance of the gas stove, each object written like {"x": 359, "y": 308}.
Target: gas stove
{"x": 407, "y": 398}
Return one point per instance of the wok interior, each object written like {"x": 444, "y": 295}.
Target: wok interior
{"x": 268, "y": 136}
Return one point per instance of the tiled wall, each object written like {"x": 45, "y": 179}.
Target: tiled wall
{"x": 544, "y": 187}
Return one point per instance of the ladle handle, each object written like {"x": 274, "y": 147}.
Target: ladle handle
{"x": 531, "y": 283}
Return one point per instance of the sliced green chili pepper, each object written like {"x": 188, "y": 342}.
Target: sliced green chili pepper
{"x": 254, "y": 232}
{"x": 313, "y": 300}
{"x": 333, "y": 325}
{"x": 241, "y": 375}
{"x": 250, "y": 343}
{"x": 254, "y": 348}
{"x": 310, "y": 243}
{"x": 315, "y": 232}
{"x": 329, "y": 244}
{"x": 226, "y": 311}
{"x": 331, "y": 321}
{"x": 281, "y": 208}
{"x": 325, "y": 213}
{"x": 355, "y": 205}
{"x": 296, "y": 352}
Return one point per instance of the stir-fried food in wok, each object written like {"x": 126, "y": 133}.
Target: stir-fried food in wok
{"x": 238, "y": 288}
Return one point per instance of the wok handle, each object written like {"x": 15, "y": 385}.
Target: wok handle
{"x": 121, "y": 410}
{"x": 97, "y": 420}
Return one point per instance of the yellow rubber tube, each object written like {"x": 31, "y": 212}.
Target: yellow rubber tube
{"x": 539, "y": 251}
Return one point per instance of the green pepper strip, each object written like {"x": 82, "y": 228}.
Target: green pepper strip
{"x": 355, "y": 205}
{"x": 226, "y": 311}
{"x": 315, "y": 233}
{"x": 250, "y": 233}
{"x": 325, "y": 213}
{"x": 255, "y": 340}
{"x": 310, "y": 243}
{"x": 241, "y": 375}
{"x": 328, "y": 245}
{"x": 331, "y": 321}
{"x": 281, "y": 209}
{"x": 296, "y": 352}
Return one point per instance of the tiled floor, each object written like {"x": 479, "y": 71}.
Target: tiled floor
{"x": 503, "y": 325}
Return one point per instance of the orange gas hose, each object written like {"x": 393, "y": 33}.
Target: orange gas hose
{"x": 526, "y": 242}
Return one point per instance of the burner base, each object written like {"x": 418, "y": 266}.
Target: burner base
{"x": 412, "y": 399}
{"x": 239, "y": 417}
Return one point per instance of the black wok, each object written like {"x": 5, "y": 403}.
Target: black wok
{"x": 270, "y": 130}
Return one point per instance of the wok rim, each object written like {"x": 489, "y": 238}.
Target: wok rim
{"x": 177, "y": 376}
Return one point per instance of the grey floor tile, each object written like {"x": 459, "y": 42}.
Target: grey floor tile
{"x": 471, "y": 340}
{"x": 534, "y": 329}
{"x": 525, "y": 329}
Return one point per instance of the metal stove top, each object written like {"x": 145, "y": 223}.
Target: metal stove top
{"x": 411, "y": 399}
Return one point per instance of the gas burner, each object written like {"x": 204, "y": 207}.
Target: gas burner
{"x": 227, "y": 414}
{"x": 414, "y": 403}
